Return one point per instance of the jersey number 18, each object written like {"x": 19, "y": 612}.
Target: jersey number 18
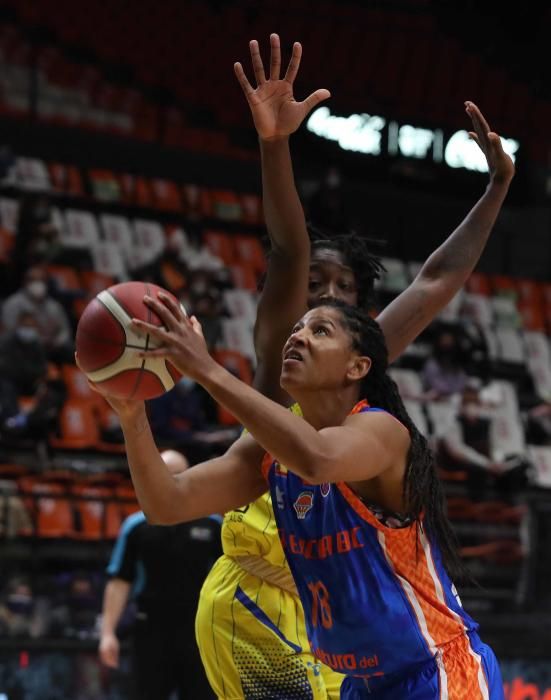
{"x": 321, "y": 610}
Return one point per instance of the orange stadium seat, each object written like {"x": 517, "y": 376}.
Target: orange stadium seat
{"x": 90, "y": 507}
{"x": 7, "y": 241}
{"x": 249, "y": 251}
{"x": 66, "y": 178}
{"x": 78, "y": 426}
{"x": 128, "y": 501}
{"x": 244, "y": 276}
{"x": 51, "y": 508}
{"x": 192, "y": 200}
{"x": 166, "y": 194}
{"x": 252, "y": 209}
{"x": 479, "y": 284}
{"x": 221, "y": 245}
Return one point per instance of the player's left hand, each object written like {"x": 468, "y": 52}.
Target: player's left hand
{"x": 500, "y": 164}
{"x": 181, "y": 340}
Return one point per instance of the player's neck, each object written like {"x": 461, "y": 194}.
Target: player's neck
{"x": 323, "y": 409}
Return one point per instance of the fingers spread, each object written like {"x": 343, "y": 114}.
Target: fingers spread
{"x": 294, "y": 63}
{"x": 275, "y": 57}
{"x": 258, "y": 66}
{"x": 148, "y": 328}
{"x": 163, "y": 311}
{"x": 316, "y": 97}
{"x": 242, "y": 78}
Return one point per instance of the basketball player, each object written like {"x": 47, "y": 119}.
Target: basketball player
{"x": 358, "y": 504}
{"x": 265, "y": 653}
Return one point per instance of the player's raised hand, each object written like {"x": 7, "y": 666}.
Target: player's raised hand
{"x": 500, "y": 165}
{"x": 275, "y": 111}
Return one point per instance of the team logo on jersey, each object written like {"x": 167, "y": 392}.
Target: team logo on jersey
{"x": 303, "y": 504}
{"x": 325, "y": 488}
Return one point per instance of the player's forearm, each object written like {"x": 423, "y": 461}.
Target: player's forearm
{"x": 442, "y": 275}
{"x": 455, "y": 259}
{"x": 283, "y": 210}
{"x": 115, "y": 598}
{"x": 288, "y": 438}
{"x": 158, "y": 493}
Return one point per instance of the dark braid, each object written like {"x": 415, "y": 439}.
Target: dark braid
{"x": 357, "y": 253}
{"x": 423, "y": 493}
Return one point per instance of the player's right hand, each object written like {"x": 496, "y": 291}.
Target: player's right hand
{"x": 120, "y": 406}
{"x": 275, "y": 111}
{"x": 109, "y": 650}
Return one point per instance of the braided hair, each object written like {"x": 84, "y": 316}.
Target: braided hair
{"x": 357, "y": 253}
{"x": 422, "y": 491}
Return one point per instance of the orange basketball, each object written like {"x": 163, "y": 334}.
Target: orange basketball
{"x": 108, "y": 346}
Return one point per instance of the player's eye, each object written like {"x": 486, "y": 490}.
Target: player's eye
{"x": 321, "y": 330}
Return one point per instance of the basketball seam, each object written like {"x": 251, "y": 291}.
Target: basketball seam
{"x": 141, "y": 370}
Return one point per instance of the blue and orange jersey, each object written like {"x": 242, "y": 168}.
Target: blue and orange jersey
{"x": 377, "y": 600}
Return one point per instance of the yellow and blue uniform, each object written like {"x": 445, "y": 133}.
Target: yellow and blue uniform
{"x": 379, "y": 605}
{"x": 250, "y": 624}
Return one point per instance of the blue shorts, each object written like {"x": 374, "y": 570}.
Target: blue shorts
{"x": 467, "y": 667}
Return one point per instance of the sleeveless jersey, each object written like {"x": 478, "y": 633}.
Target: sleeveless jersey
{"x": 377, "y": 600}
{"x": 252, "y": 530}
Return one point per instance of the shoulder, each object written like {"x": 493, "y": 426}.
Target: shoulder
{"x": 380, "y": 423}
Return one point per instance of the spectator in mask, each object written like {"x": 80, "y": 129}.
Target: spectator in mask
{"x": 77, "y": 615}
{"x": 24, "y": 373}
{"x": 22, "y": 614}
{"x": 443, "y": 374}
{"x": 52, "y": 323}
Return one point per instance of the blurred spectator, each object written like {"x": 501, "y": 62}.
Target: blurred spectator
{"x": 24, "y": 373}
{"x": 77, "y": 614}
{"x": 22, "y": 614}
{"x": 207, "y": 307}
{"x": 52, "y": 322}
{"x": 466, "y": 445}
{"x": 14, "y": 516}
{"x": 164, "y": 567}
{"x": 180, "y": 418}
{"x": 538, "y": 424}
{"x": 443, "y": 373}
{"x": 37, "y": 238}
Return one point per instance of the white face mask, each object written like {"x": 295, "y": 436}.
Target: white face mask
{"x": 36, "y": 289}
{"x": 27, "y": 334}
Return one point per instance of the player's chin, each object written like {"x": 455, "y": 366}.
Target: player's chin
{"x": 291, "y": 376}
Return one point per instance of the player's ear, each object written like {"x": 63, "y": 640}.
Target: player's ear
{"x": 358, "y": 368}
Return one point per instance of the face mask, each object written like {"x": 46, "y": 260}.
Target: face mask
{"x": 20, "y": 604}
{"x": 36, "y": 289}
{"x": 27, "y": 334}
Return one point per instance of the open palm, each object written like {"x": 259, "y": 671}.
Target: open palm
{"x": 500, "y": 165}
{"x": 275, "y": 111}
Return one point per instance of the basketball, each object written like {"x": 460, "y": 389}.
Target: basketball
{"x": 108, "y": 347}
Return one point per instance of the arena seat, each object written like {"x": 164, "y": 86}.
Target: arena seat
{"x": 51, "y": 509}
{"x": 81, "y": 229}
{"x": 9, "y": 214}
{"x": 243, "y": 276}
{"x": 220, "y": 244}
{"x": 66, "y": 179}
{"x": 90, "y": 509}
{"x": 478, "y": 283}
{"x": 249, "y": 252}
{"x": 166, "y": 195}
{"x": 94, "y": 282}
{"x": 78, "y": 427}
